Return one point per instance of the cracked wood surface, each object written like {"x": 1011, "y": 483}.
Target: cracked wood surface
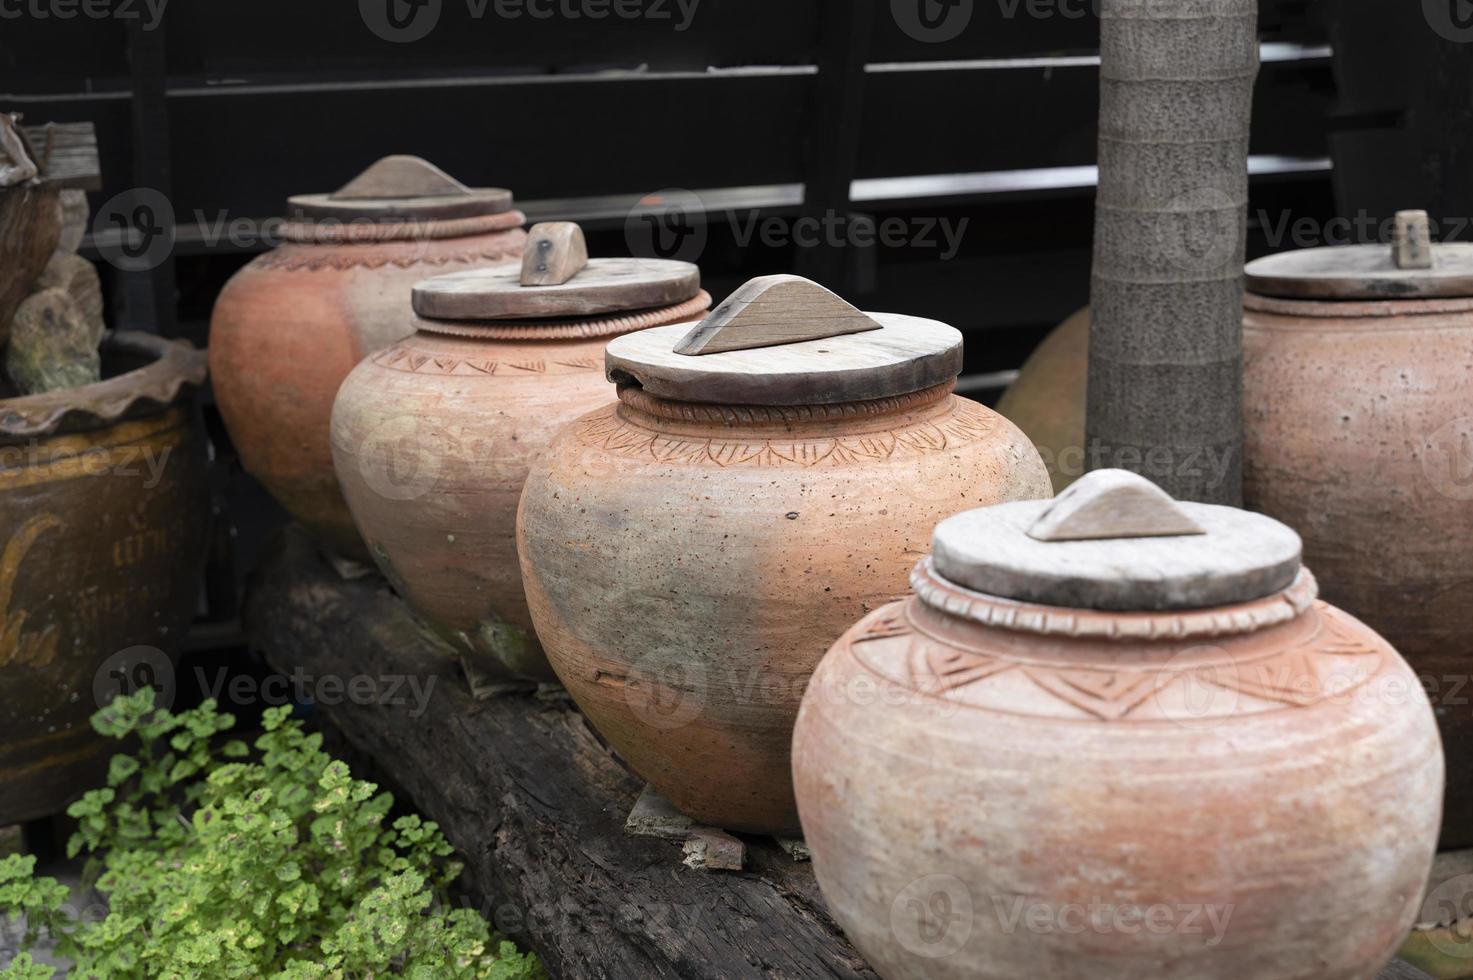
{"x": 536, "y": 804}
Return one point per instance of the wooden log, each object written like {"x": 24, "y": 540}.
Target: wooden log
{"x": 536, "y": 803}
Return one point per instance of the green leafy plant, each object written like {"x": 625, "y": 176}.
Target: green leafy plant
{"x": 223, "y": 862}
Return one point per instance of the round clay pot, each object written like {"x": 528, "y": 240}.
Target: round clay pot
{"x": 1359, "y": 435}
{"x": 687, "y": 562}
{"x": 433, "y": 437}
{"x": 994, "y": 787}
{"x": 1047, "y": 399}
{"x": 103, "y": 513}
{"x": 288, "y": 327}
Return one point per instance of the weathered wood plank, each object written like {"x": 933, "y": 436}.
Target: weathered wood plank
{"x": 536, "y": 804}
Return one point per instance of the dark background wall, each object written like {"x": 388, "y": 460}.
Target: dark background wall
{"x": 766, "y": 110}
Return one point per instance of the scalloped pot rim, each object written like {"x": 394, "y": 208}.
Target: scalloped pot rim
{"x": 176, "y": 365}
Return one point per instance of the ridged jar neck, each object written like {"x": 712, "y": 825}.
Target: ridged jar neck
{"x": 579, "y": 328}
{"x": 639, "y": 406}
{"x": 945, "y": 598}
{"x": 328, "y": 231}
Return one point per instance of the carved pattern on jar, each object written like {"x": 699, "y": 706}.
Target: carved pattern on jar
{"x": 1332, "y": 661}
{"x": 410, "y": 361}
{"x": 342, "y": 259}
{"x": 611, "y": 431}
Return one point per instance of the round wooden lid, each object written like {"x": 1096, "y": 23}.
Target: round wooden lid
{"x": 782, "y": 340}
{"x": 402, "y": 188}
{"x": 1115, "y": 541}
{"x": 1411, "y": 267}
{"x": 904, "y": 354}
{"x": 602, "y": 286}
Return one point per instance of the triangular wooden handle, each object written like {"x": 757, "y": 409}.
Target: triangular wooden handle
{"x": 556, "y": 252}
{"x": 1113, "y": 504}
{"x": 774, "y": 310}
{"x": 399, "y": 176}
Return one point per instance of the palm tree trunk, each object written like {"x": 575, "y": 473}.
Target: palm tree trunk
{"x": 1165, "y": 384}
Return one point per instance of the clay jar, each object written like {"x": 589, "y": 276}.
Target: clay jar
{"x": 103, "y": 511}
{"x": 288, "y": 327}
{"x": 434, "y": 434}
{"x": 691, "y": 550}
{"x": 1131, "y": 759}
{"x": 1358, "y": 387}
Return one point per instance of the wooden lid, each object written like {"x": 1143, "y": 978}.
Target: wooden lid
{"x": 1114, "y": 541}
{"x": 1411, "y": 267}
{"x": 782, "y": 340}
{"x": 402, "y": 188}
{"x": 557, "y": 279}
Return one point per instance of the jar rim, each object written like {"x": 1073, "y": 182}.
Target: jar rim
{"x": 939, "y": 593}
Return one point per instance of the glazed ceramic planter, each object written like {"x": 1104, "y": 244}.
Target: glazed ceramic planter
{"x": 103, "y": 513}
{"x": 288, "y": 327}
{"x": 1002, "y": 787}
{"x": 433, "y": 437}
{"x": 1359, "y": 434}
{"x": 688, "y": 561}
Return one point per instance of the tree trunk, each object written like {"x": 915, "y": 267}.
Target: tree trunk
{"x": 1165, "y": 385}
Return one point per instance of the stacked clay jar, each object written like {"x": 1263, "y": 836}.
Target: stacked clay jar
{"x": 289, "y": 326}
{"x": 691, "y": 549}
{"x": 1116, "y": 737}
{"x": 434, "y": 434}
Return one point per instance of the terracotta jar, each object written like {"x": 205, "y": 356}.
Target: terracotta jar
{"x": 1358, "y": 387}
{"x": 1115, "y": 737}
{"x": 103, "y": 512}
{"x": 289, "y": 326}
{"x": 690, "y": 550}
{"x": 434, "y": 434}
